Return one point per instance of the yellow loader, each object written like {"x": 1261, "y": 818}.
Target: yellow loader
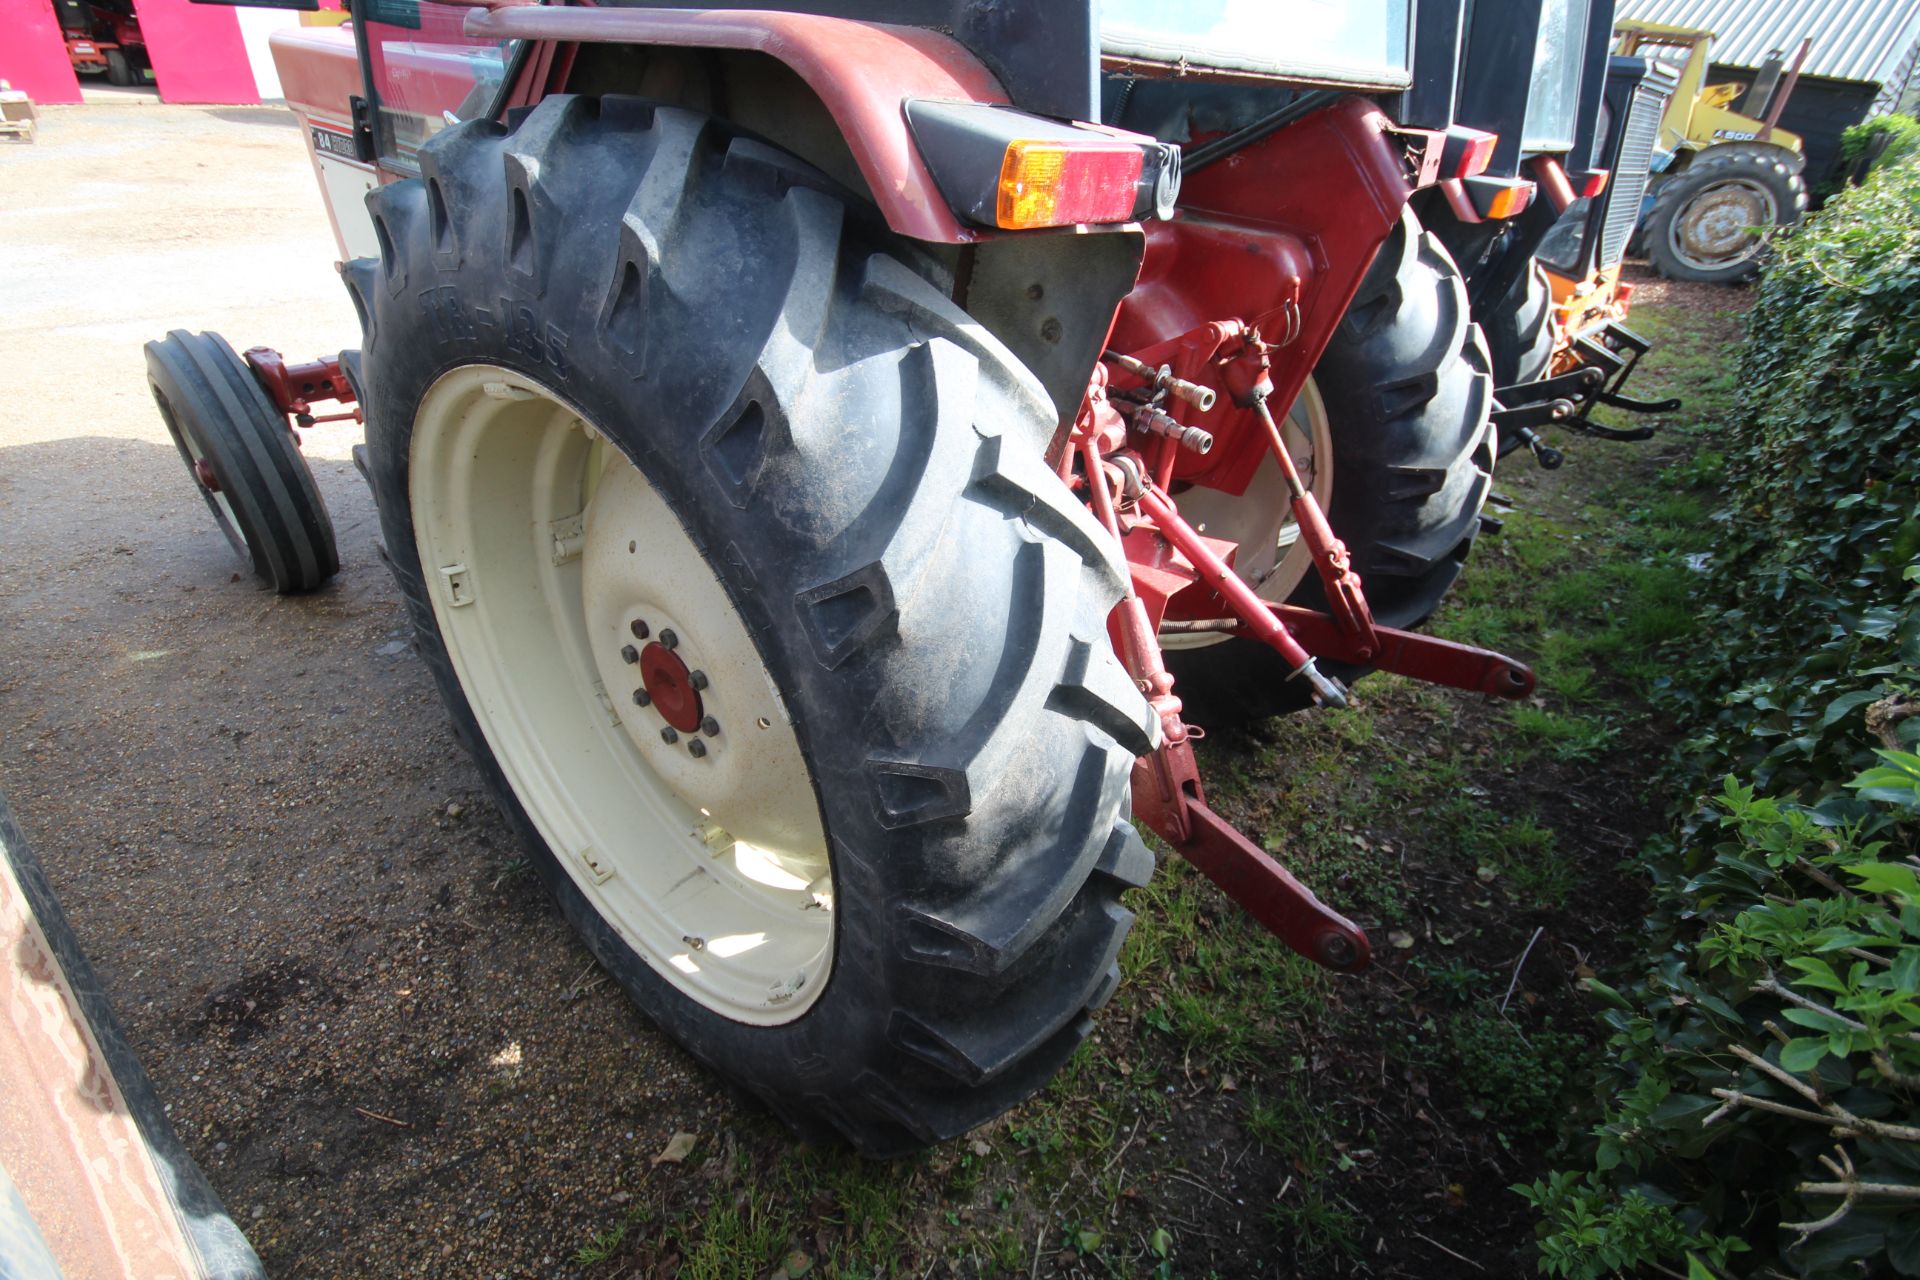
{"x": 1723, "y": 180}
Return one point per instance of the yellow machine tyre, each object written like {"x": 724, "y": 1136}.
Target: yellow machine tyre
{"x": 1703, "y": 222}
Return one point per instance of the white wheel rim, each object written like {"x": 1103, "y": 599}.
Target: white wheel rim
{"x": 1715, "y": 229}
{"x": 542, "y": 545}
{"x": 222, "y": 507}
{"x": 1272, "y": 559}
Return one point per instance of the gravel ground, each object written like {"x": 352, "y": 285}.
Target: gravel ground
{"x": 380, "y": 1041}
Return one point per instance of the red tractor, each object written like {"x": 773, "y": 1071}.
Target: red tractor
{"x": 103, "y": 38}
{"x": 824, "y": 465}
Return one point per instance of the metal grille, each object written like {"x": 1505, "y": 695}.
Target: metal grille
{"x": 1629, "y": 181}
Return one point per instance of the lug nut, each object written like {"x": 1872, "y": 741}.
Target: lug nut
{"x": 698, "y": 679}
{"x": 669, "y": 735}
{"x": 639, "y": 629}
{"x": 710, "y": 727}
{"x": 629, "y": 654}
{"x": 641, "y": 698}
{"x": 669, "y": 639}
{"x": 696, "y": 748}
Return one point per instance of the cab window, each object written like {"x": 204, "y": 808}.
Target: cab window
{"x": 426, "y": 74}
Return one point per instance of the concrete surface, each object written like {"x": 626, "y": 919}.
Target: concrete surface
{"x": 376, "y": 1036}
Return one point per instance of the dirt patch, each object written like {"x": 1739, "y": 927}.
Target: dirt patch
{"x": 375, "y": 1035}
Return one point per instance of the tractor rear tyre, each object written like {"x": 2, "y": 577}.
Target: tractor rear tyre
{"x": 1404, "y": 388}
{"x": 1519, "y": 330}
{"x": 731, "y": 545}
{"x": 1711, "y": 221}
{"x": 119, "y": 70}
{"x": 244, "y": 459}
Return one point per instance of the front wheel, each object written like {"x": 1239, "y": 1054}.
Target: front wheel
{"x": 731, "y": 545}
{"x": 243, "y": 459}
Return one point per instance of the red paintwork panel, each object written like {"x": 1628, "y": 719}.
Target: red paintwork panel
{"x": 197, "y": 52}
{"x": 33, "y": 53}
{"x": 318, "y": 70}
{"x": 1290, "y": 222}
{"x": 863, "y": 72}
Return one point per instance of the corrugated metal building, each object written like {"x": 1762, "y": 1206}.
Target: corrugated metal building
{"x": 1852, "y": 39}
{"x": 1865, "y": 57}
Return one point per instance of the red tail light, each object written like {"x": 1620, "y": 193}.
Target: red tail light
{"x": 1047, "y": 183}
{"x": 1474, "y": 149}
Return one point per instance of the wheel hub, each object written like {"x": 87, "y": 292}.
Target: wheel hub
{"x": 623, "y": 696}
{"x": 1715, "y": 230}
{"x": 670, "y": 687}
{"x": 203, "y": 472}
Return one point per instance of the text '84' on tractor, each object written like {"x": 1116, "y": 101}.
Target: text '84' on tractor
{"x": 830, "y": 469}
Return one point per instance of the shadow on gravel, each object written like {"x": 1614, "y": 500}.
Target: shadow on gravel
{"x": 374, "y": 1031}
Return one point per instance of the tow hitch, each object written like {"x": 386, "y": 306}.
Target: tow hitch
{"x": 1606, "y": 360}
{"x": 1130, "y": 496}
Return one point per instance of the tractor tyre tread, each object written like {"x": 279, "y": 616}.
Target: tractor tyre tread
{"x": 1519, "y": 330}
{"x": 204, "y": 388}
{"x": 926, "y": 594}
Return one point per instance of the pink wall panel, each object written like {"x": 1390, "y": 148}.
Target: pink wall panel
{"x": 33, "y": 56}
{"x": 197, "y": 52}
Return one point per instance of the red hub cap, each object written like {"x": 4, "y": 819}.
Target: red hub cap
{"x": 204, "y": 474}
{"x": 670, "y": 685}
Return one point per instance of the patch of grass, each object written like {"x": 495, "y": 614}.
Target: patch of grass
{"x": 1579, "y": 594}
{"x": 1316, "y": 1222}
{"x": 1224, "y": 990}
{"x": 1567, "y": 738}
{"x": 1007, "y": 1250}
{"x": 1526, "y": 857}
{"x": 1566, "y": 667}
{"x": 1451, "y": 978}
{"x": 733, "y": 1242}
{"x": 606, "y": 1244}
{"x": 1308, "y": 1208}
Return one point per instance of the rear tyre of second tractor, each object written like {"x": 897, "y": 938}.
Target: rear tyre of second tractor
{"x": 1519, "y": 330}
{"x": 1396, "y": 412}
{"x": 730, "y": 543}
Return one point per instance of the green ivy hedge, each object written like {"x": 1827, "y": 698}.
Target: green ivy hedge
{"x": 1761, "y": 1090}
{"x": 1901, "y": 131}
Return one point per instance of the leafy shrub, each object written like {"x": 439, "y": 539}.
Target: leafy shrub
{"x": 1901, "y": 131}
{"x": 1513, "y": 1076}
{"x": 1816, "y": 574}
{"x": 1761, "y": 1093}
{"x": 1777, "y": 1054}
